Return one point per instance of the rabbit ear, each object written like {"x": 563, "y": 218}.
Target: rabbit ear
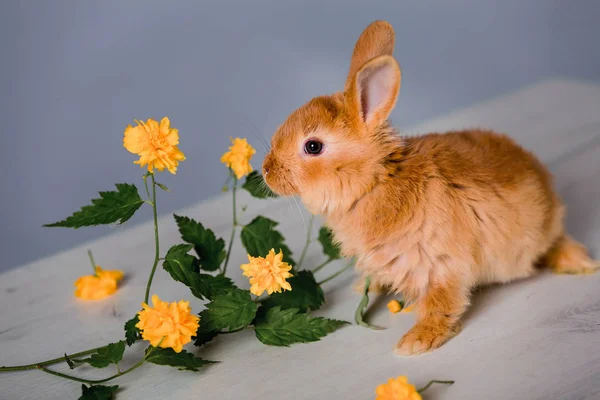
{"x": 376, "y": 40}
{"x": 373, "y": 93}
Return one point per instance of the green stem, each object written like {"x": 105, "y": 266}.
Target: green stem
{"x": 319, "y": 267}
{"x": 92, "y": 261}
{"x": 305, "y": 249}
{"x": 235, "y": 182}
{"x": 93, "y": 382}
{"x": 432, "y": 382}
{"x": 226, "y": 182}
{"x": 156, "y": 243}
{"x": 48, "y": 362}
{"x": 145, "y": 178}
{"x": 350, "y": 264}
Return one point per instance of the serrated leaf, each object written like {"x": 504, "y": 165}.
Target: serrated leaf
{"x": 362, "y": 306}
{"x": 216, "y": 285}
{"x": 306, "y": 294}
{"x": 330, "y": 249}
{"x": 234, "y": 310}
{"x": 178, "y": 254}
{"x": 132, "y": 333}
{"x": 183, "y": 268}
{"x": 204, "y": 335}
{"x": 182, "y": 360}
{"x": 210, "y": 250}
{"x": 111, "y": 207}
{"x": 110, "y": 354}
{"x": 257, "y": 187}
{"x": 98, "y": 392}
{"x": 284, "y": 327}
{"x": 260, "y": 236}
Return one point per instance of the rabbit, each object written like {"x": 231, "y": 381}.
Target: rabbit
{"x": 430, "y": 217}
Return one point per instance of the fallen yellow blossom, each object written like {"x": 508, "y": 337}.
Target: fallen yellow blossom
{"x": 98, "y": 286}
{"x": 397, "y": 389}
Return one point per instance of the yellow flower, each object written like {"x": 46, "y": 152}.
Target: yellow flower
{"x": 269, "y": 273}
{"x": 155, "y": 143}
{"x": 238, "y": 157}
{"x": 397, "y": 389}
{"x": 173, "y": 321}
{"x": 99, "y": 286}
{"x": 408, "y": 309}
{"x": 394, "y": 306}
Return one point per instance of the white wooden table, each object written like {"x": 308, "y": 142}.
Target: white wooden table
{"x": 536, "y": 339}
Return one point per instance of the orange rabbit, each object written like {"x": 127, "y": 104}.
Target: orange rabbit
{"x": 430, "y": 217}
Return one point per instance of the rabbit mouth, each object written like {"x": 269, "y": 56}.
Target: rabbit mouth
{"x": 282, "y": 187}
{"x": 278, "y": 177}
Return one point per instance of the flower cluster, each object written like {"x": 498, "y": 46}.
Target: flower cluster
{"x": 281, "y": 319}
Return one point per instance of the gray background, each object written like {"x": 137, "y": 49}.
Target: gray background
{"x": 75, "y": 73}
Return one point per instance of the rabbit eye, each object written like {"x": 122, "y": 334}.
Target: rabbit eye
{"x": 313, "y": 147}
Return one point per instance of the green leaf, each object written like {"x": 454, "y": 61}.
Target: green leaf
{"x": 184, "y": 268}
{"x": 204, "y": 335}
{"x": 260, "y": 236}
{"x": 111, "y": 207}
{"x": 257, "y": 187}
{"x": 234, "y": 310}
{"x": 110, "y": 354}
{"x": 210, "y": 249}
{"x": 216, "y": 285}
{"x": 179, "y": 256}
{"x": 132, "y": 333}
{"x": 182, "y": 360}
{"x": 330, "y": 249}
{"x": 163, "y": 187}
{"x": 98, "y": 392}
{"x": 284, "y": 327}
{"x": 306, "y": 294}
{"x": 362, "y": 306}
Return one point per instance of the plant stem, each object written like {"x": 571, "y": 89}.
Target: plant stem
{"x": 48, "y": 362}
{"x": 235, "y": 182}
{"x": 319, "y": 267}
{"x": 308, "y": 235}
{"x": 156, "y": 243}
{"x": 92, "y": 261}
{"x": 432, "y": 382}
{"x": 350, "y": 264}
{"x": 145, "y": 178}
{"x": 92, "y": 382}
{"x": 227, "y": 181}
